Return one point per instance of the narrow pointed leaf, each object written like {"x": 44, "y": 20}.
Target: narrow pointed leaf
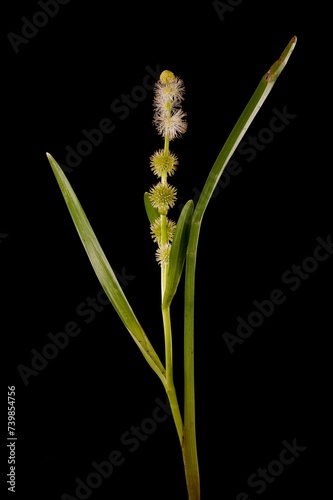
{"x": 250, "y": 111}
{"x": 236, "y": 135}
{"x": 152, "y": 212}
{"x": 104, "y": 271}
{"x": 178, "y": 252}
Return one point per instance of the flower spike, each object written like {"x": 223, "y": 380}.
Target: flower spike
{"x": 170, "y": 124}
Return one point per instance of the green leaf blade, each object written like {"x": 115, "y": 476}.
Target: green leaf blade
{"x": 178, "y": 252}
{"x": 234, "y": 138}
{"x": 151, "y": 211}
{"x": 103, "y": 270}
{"x": 250, "y": 111}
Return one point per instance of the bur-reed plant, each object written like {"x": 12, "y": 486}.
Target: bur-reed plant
{"x": 177, "y": 245}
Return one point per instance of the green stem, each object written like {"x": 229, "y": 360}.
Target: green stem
{"x": 168, "y": 345}
{"x": 164, "y": 270}
{"x": 172, "y": 396}
{"x": 170, "y": 388}
{"x": 165, "y": 267}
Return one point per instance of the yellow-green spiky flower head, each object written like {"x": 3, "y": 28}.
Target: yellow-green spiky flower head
{"x": 162, "y": 196}
{"x": 163, "y": 254}
{"x": 163, "y": 163}
{"x": 156, "y": 230}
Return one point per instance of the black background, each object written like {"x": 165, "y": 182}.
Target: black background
{"x": 272, "y": 387}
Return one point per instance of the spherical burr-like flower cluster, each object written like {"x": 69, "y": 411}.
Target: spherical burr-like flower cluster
{"x": 156, "y": 232}
{"x": 163, "y": 254}
{"x": 163, "y": 163}
{"x": 162, "y": 196}
{"x": 170, "y": 124}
